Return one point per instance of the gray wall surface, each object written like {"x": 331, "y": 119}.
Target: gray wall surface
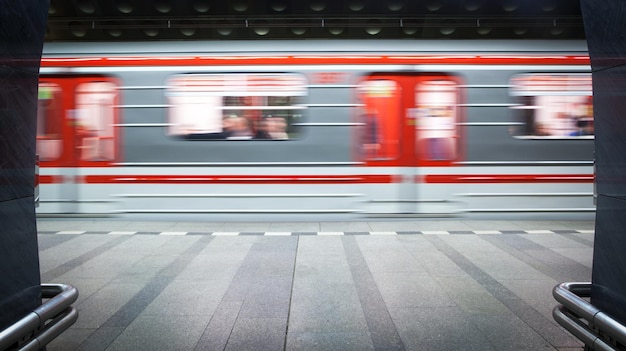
{"x": 22, "y": 25}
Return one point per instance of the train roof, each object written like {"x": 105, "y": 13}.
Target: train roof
{"x": 313, "y": 47}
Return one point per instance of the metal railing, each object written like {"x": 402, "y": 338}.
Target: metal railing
{"x": 586, "y": 322}
{"x": 45, "y": 323}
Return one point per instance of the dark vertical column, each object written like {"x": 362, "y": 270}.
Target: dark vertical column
{"x": 22, "y": 27}
{"x": 605, "y": 27}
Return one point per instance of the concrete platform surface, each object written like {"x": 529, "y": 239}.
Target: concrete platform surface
{"x": 376, "y": 285}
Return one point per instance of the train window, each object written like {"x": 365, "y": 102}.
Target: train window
{"x": 379, "y": 119}
{"x": 556, "y": 106}
{"x": 436, "y": 115}
{"x": 236, "y": 106}
{"x": 49, "y": 116}
{"x": 94, "y": 120}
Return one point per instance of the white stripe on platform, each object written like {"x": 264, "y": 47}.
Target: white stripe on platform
{"x": 487, "y": 232}
{"x": 435, "y": 232}
{"x": 539, "y": 232}
{"x": 383, "y": 233}
{"x": 424, "y": 232}
{"x": 277, "y": 233}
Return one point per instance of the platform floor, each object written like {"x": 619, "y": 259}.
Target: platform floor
{"x": 376, "y": 285}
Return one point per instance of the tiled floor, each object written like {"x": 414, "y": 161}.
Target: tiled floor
{"x": 384, "y": 285}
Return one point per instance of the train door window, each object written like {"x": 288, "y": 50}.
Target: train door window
{"x": 379, "y": 119}
{"x": 236, "y": 106}
{"x": 436, "y": 113}
{"x": 553, "y": 106}
{"x": 94, "y": 121}
{"x": 49, "y": 122}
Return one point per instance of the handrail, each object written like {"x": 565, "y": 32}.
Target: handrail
{"x": 599, "y": 325}
{"x": 46, "y": 322}
{"x": 579, "y": 330}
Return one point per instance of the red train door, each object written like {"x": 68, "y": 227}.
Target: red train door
{"x": 411, "y": 121}
{"x": 76, "y": 121}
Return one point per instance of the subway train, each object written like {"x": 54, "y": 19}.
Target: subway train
{"x": 253, "y": 130}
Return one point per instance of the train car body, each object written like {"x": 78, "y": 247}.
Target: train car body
{"x": 316, "y": 129}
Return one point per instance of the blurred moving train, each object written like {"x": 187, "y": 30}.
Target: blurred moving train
{"x": 346, "y": 129}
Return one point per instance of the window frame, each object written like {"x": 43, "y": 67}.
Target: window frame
{"x": 239, "y": 106}
{"x": 580, "y": 94}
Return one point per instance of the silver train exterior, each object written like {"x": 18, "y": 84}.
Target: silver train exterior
{"x": 138, "y": 129}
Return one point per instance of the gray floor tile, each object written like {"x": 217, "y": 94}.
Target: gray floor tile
{"x": 470, "y": 296}
{"x": 153, "y": 332}
{"x": 219, "y": 260}
{"x": 184, "y": 297}
{"x": 308, "y": 341}
{"x": 100, "y": 306}
{"x": 320, "y": 246}
{"x": 586, "y": 237}
{"x": 531, "y": 291}
{"x": 328, "y": 316}
{"x": 86, "y": 286}
{"x": 387, "y": 254}
{"x": 555, "y": 241}
{"x": 100, "y": 339}
{"x": 258, "y": 334}
{"x": 587, "y": 241}
{"x": 584, "y": 256}
{"x": 314, "y": 294}
{"x": 59, "y": 254}
{"x": 269, "y": 298}
{"x": 550, "y": 262}
{"x": 117, "y": 259}
{"x": 145, "y": 269}
{"x": 70, "y": 339}
{"x": 406, "y": 290}
{"x": 436, "y": 264}
{"x": 491, "y": 259}
{"x": 416, "y": 244}
{"x": 438, "y": 328}
{"x": 49, "y": 241}
{"x": 509, "y": 333}
{"x": 218, "y": 331}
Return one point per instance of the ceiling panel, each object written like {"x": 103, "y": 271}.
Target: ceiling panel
{"x": 123, "y": 20}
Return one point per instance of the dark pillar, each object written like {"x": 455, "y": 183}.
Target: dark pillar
{"x": 605, "y": 27}
{"x": 22, "y": 27}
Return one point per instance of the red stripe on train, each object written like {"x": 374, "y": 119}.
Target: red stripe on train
{"x": 50, "y": 179}
{"x": 508, "y": 178}
{"x": 237, "y": 179}
{"x": 314, "y": 60}
{"x": 324, "y": 179}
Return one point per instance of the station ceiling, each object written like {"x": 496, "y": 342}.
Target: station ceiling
{"x": 133, "y": 20}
